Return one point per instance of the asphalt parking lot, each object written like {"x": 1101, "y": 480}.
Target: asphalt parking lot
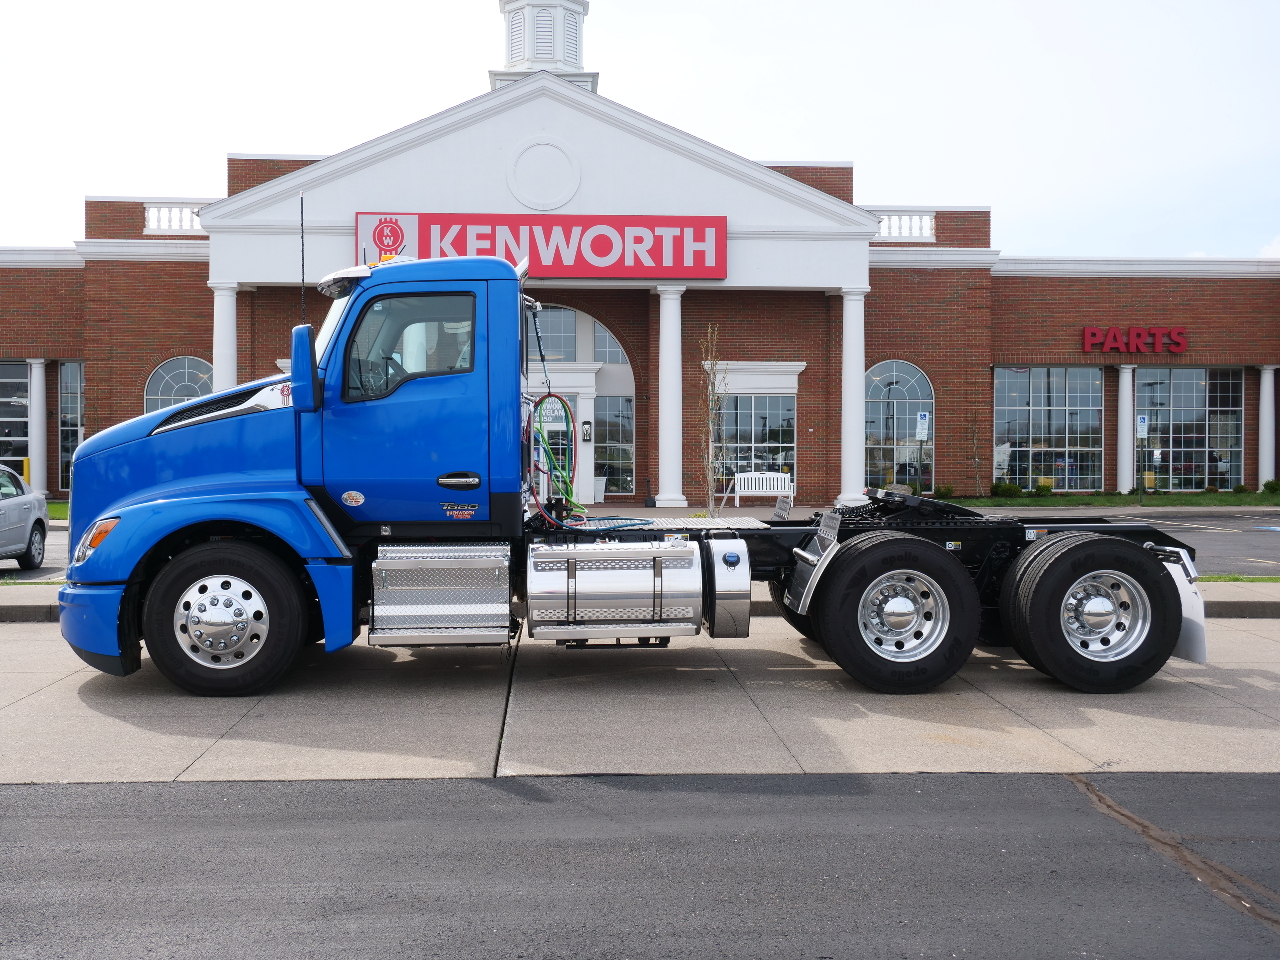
{"x": 818, "y": 866}
{"x": 1247, "y": 544}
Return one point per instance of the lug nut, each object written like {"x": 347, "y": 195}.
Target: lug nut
{"x": 242, "y": 626}
{"x": 199, "y": 634}
{"x": 239, "y": 614}
{"x": 195, "y": 619}
{"x": 227, "y": 602}
{"x": 200, "y": 608}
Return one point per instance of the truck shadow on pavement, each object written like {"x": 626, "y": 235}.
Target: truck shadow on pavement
{"x": 729, "y": 706}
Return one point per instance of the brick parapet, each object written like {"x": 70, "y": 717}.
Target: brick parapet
{"x": 244, "y": 174}
{"x": 836, "y": 181}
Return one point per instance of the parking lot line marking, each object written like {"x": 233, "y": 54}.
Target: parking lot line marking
{"x": 1252, "y": 560}
{"x": 1174, "y": 523}
{"x": 1224, "y": 882}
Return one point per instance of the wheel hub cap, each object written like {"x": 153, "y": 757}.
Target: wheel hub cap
{"x": 903, "y": 616}
{"x": 221, "y": 622}
{"x": 1105, "y": 615}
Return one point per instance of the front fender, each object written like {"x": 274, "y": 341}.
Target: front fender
{"x": 282, "y": 512}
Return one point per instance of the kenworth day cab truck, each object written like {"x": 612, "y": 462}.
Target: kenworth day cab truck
{"x": 392, "y": 480}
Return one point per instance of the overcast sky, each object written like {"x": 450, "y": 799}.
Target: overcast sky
{"x": 1116, "y": 128}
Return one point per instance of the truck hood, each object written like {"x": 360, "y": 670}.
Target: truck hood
{"x": 142, "y": 426}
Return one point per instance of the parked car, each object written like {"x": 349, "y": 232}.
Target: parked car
{"x": 24, "y": 521}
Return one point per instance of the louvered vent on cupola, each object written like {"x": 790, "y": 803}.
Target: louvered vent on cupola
{"x": 572, "y": 49}
{"x": 544, "y": 36}
{"x": 515, "y": 37}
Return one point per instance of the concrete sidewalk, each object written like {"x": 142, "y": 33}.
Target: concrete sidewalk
{"x": 38, "y": 603}
{"x": 773, "y": 703}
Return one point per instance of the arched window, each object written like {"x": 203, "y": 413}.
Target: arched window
{"x": 544, "y": 36}
{"x": 177, "y": 381}
{"x": 515, "y": 37}
{"x": 608, "y": 349}
{"x": 897, "y": 393}
{"x": 572, "y": 52}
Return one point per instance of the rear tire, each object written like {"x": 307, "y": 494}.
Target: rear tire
{"x": 1014, "y": 631}
{"x": 33, "y": 559}
{"x": 897, "y": 612}
{"x": 242, "y": 644}
{"x": 1101, "y": 613}
{"x": 799, "y": 622}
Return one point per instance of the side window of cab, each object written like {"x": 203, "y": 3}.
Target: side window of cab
{"x": 400, "y": 338}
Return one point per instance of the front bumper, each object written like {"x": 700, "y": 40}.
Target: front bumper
{"x": 90, "y": 618}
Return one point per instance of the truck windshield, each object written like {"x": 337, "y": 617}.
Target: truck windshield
{"x": 330, "y": 325}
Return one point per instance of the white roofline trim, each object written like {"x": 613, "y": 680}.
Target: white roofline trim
{"x": 278, "y": 156}
{"x": 40, "y": 258}
{"x": 836, "y": 164}
{"x": 917, "y": 208}
{"x": 157, "y": 250}
{"x": 933, "y": 258}
{"x": 159, "y": 201}
{"x": 1184, "y": 267}
{"x": 537, "y": 85}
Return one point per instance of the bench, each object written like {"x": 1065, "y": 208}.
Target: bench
{"x": 759, "y": 485}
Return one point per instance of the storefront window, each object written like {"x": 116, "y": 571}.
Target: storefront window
{"x": 559, "y": 326}
{"x": 1048, "y": 427}
{"x": 13, "y": 414}
{"x": 1195, "y": 434}
{"x": 70, "y": 418}
{"x": 551, "y": 421}
{"x": 755, "y": 434}
{"x": 177, "y": 381}
{"x": 615, "y": 439}
{"x": 897, "y": 393}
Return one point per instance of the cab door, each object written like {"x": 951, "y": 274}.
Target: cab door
{"x": 406, "y": 409}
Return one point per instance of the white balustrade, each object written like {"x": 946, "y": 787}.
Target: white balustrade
{"x": 173, "y": 217}
{"x": 904, "y": 225}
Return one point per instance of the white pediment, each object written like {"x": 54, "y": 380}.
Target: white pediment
{"x": 537, "y": 145}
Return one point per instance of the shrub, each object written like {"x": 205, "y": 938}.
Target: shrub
{"x": 1211, "y": 489}
{"x": 1272, "y": 486}
{"x": 1006, "y": 490}
{"x": 944, "y": 491}
{"x": 1043, "y": 490}
{"x": 1239, "y": 488}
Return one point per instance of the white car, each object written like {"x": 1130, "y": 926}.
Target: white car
{"x": 24, "y": 521}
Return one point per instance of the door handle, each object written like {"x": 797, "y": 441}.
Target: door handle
{"x": 461, "y": 480}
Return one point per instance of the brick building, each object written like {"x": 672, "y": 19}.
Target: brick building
{"x": 837, "y": 323}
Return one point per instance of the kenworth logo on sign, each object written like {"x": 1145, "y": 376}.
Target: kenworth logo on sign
{"x": 646, "y": 247}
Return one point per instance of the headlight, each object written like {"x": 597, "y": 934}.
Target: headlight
{"x": 93, "y": 537}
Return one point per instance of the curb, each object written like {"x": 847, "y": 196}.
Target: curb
{"x": 1214, "y": 609}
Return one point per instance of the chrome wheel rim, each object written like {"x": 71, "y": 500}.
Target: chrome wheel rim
{"x": 903, "y": 616}
{"x": 37, "y": 547}
{"x": 1106, "y": 615}
{"x": 221, "y": 622}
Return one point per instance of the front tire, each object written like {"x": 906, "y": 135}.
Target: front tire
{"x": 897, "y": 612}
{"x": 225, "y": 619}
{"x": 1101, "y": 613}
{"x": 33, "y": 558}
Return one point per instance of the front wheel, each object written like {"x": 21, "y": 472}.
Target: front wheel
{"x": 33, "y": 559}
{"x": 897, "y": 612}
{"x": 225, "y": 618}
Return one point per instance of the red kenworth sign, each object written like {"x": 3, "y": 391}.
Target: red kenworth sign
{"x": 1135, "y": 340}
{"x": 639, "y": 247}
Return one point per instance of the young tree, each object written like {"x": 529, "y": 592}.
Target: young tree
{"x": 709, "y": 412}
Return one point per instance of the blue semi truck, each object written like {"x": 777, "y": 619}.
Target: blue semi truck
{"x": 394, "y": 486}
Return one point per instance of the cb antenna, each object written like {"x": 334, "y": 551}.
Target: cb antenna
{"x": 302, "y": 236}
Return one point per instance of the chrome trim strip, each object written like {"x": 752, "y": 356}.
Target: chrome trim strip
{"x": 329, "y": 528}
{"x": 274, "y": 396}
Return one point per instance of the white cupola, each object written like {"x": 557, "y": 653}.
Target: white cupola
{"x": 543, "y": 35}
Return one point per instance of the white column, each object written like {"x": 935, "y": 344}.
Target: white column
{"x": 1125, "y": 480}
{"x": 1267, "y": 424}
{"x": 584, "y": 489}
{"x": 37, "y": 428}
{"x": 225, "y": 357}
{"x": 670, "y": 401}
{"x": 853, "y": 399}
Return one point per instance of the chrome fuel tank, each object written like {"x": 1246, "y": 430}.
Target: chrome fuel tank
{"x": 606, "y": 590}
